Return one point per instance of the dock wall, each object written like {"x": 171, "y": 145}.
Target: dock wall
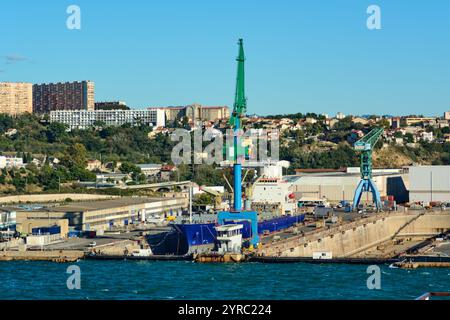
{"x": 349, "y": 239}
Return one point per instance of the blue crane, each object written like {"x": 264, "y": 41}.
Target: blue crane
{"x": 365, "y": 146}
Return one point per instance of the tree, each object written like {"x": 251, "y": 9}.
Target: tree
{"x": 409, "y": 138}
{"x": 128, "y": 168}
{"x": 185, "y": 123}
{"x": 6, "y": 122}
{"x": 56, "y": 132}
{"x": 19, "y": 182}
{"x": 384, "y": 123}
{"x": 204, "y": 199}
{"x": 76, "y": 156}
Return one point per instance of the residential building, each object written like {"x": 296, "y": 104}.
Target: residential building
{"x": 195, "y": 112}
{"x": 310, "y": 120}
{"x": 427, "y": 136}
{"x": 94, "y": 165}
{"x": 82, "y": 119}
{"x": 16, "y": 98}
{"x": 442, "y": 123}
{"x": 360, "y": 120}
{"x": 63, "y": 96}
{"x": 411, "y": 121}
{"x": 150, "y": 169}
{"x": 340, "y": 116}
{"x": 112, "y": 178}
{"x": 396, "y": 123}
{"x": 447, "y": 115}
{"x": 10, "y": 132}
{"x": 166, "y": 172}
{"x": 11, "y": 162}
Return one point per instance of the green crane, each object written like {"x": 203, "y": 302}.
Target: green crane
{"x": 236, "y": 151}
{"x": 240, "y": 101}
{"x": 240, "y": 107}
{"x": 365, "y": 146}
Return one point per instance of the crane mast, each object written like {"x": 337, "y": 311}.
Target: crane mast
{"x": 239, "y": 109}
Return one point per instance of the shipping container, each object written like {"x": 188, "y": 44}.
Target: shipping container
{"x": 46, "y": 230}
{"x": 91, "y": 234}
{"x": 74, "y": 234}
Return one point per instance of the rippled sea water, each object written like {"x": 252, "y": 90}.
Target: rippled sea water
{"x": 187, "y": 280}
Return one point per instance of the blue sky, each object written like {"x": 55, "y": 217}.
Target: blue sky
{"x": 302, "y": 56}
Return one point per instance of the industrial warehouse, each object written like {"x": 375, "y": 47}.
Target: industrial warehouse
{"x": 96, "y": 215}
{"x": 327, "y": 186}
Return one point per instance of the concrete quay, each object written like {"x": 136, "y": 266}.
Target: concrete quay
{"x": 53, "y": 255}
{"x": 383, "y": 235}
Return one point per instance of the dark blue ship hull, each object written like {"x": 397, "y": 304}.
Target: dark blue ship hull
{"x": 200, "y": 237}
{"x": 272, "y": 225}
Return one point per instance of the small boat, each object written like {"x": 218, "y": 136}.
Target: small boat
{"x": 430, "y": 295}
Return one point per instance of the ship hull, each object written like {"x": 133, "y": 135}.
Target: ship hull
{"x": 184, "y": 239}
{"x": 196, "y": 238}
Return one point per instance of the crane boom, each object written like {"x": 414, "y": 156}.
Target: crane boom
{"x": 240, "y": 101}
{"x": 366, "y": 145}
{"x": 369, "y": 140}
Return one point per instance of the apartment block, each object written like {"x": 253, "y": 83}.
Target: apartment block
{"x": 447, "y": 115}
{"x": 63, "y": 96}
{"x": 16, "y": 98}
{"x": 82, "y": 119}
{"x": 11, "y": 162}
{"x": 194, "y": 112}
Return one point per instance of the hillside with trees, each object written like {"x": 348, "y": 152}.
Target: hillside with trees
{"x": 315, "y": 145}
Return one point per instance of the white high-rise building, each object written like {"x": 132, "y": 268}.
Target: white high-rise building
{"x": 82, "y": 119}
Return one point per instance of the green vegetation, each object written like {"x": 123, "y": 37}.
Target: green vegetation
{"x": 39, "y": 138}
{"x": 113, "y": 107}
{"x": 314, "y": 145}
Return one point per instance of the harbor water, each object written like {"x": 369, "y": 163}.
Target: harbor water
{"x": 148, "y": 280}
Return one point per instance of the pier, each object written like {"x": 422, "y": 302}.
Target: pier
{"x": 51, "y": 255}
{"x": 384, "y": 235}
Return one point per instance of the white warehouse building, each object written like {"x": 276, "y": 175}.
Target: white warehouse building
{"x": 429, "y": 184}
{"x": 330, "y": 186}
{"x": 82, "y": 119}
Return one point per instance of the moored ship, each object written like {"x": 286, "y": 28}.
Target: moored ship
{"x": 190, "y": 238}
